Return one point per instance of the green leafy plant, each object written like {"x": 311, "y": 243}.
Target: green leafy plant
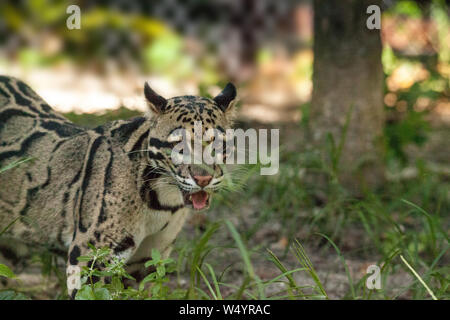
{"x": 106, "y": 282}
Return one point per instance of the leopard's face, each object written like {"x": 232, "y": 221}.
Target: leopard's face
{"x": 177, "y": 123}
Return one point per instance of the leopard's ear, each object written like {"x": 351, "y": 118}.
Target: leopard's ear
{"x": 156, "y": 103}
{"x": 226, "y": 99}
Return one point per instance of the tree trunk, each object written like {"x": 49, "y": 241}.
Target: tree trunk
{"x": 348, "y": 83}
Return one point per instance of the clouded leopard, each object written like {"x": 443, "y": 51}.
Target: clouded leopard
{"x": 114, "y": 185}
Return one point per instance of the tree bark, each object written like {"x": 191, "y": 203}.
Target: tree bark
{"x": 348, "y": 82}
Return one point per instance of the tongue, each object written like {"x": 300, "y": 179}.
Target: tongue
{"x": 199, "y": 199}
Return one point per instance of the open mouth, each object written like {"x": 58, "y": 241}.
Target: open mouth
{"x": 199, "y": 200}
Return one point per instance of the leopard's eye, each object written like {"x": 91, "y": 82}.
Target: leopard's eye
{"x": 169, "y": 147}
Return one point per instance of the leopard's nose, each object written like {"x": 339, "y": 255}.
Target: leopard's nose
{"x": 202, "y": 181}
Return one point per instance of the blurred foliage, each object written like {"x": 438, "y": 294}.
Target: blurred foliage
{"x": 411, "y": 80}
{"x": 407, "y": 123}
{"x": 111, "y": 34}
{"x": 412, "y": 129}
{"x": 106, "y": 35}
{"x": 440, "y": 14}
{"x": 408, "y": 8}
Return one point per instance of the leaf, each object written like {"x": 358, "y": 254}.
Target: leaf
{"x": 85, "y": 293}
{"x": 102, "y": 273}
{"x": 161, "y": 271}
{"x": 128, "y": 276}
{"x": 155, "y": 289}
{"x": 149, "y": 263}
{"x": 148, "y": 278}
{"x": 6, "y": 272}
{"x": 177, "y": 294}
{"x": 84, "y": 258}
{"x": 156, "y": 256}
{"x": 102, "y": 294}
{"x": 12, "y": 295}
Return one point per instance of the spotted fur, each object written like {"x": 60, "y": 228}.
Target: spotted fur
{"x": 113, "y": 186}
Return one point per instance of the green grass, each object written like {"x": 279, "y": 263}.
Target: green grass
{"x": 391, "y": 228}
{"x": 406, "y": 218}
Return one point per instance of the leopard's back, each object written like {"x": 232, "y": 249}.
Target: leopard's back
{"x": 31, "y": 133}
{"x": 27, "y": 121}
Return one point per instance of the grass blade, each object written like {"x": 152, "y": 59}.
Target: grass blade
{"x": 214, "y": 279}
{"x": 304, "y": 260}
{"x": 207, "y": 283}
{"x": 246, "y": 258}
{"x": 341, "y": 257}
{"x": 285, "y": 272}
{"x": 418, "y": 278}
{"x": 14, "y": 164}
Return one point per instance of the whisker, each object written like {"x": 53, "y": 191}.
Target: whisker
{"x": 144, "y": 150}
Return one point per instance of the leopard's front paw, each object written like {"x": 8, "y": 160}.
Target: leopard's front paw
{"x": 73, "y": 280}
